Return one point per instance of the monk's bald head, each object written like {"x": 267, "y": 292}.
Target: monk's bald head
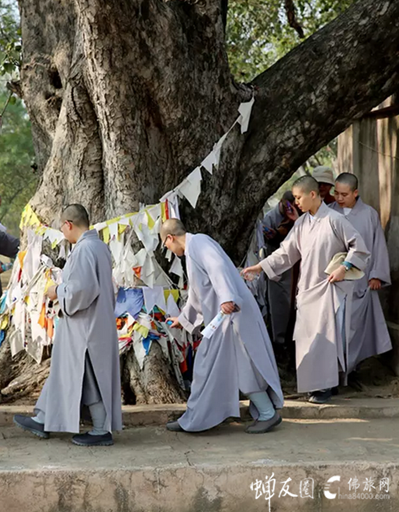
{"x": 173, "y": 227}
{"x": 307, "y": 184}
{"x": 349, "y": 179}
{"x": 77, "y": 215}
{"x": 173, "y": 236}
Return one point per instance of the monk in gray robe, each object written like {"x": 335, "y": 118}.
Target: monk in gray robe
{"x": 323, "y": 301}
{"x": 239, "y": 355}
{"x": 369, "y": 332}
{"x": 277, "y": 223}
{"x": 85, "y": 357}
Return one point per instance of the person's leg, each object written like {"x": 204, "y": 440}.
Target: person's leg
{"x": 264, "y": 405}
{"x": 39, "y": 418}
{"x": 91, "y": 397}
{"x": 98, "y": 416}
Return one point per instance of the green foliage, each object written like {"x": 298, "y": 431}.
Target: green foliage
{"x": 10, "y": 40}
{"x": 17, "y": 180}
{"x": 258, "y": 33}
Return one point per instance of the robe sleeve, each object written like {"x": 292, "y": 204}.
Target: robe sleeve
{"x": 190, "y": 318}
{"x": 380, "y": 266}
{"x": 82, "y": 287}
{"x": 283, "y": 258}
{"x": 211, "y": 258}
{"x": 9, "y": 245}
{"x": 358, "y": 254}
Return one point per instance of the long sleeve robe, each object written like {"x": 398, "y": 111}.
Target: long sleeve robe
{"x": 239, "y": 356}
{"x": 369, "y": 332}
{"x": 319, "y": 334}
{"x": 278, "y": 292}
{"x": 86, "y": 328}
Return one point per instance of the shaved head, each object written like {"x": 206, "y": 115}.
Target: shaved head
{"x": 172, "y": 227}
{"x": 349, "y": 179}
{"x": 307, "y": 184}
{"x": 77, "y": 214}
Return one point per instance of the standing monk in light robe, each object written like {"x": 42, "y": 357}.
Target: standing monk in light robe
{"x": 85, "y": 358}
{"x": 239, "y": 356}
{"x": 323, "y": 302}
{"x": 369, "y": 332}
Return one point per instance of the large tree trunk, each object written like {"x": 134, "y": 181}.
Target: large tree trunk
{"x": 127, "y": 96}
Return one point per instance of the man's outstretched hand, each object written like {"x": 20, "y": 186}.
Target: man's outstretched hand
{"x": 173, "y": 321}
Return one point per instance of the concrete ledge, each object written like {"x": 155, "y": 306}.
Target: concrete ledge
{"x": 152, "y": 470}
{"x": 193, "y": 489}
{"x": 157, "y": 415}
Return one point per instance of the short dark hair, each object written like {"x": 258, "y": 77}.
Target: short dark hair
{"x": 347, "y": 178}
{"x": 77, "y": 214}
{"x": 307, "y": 184}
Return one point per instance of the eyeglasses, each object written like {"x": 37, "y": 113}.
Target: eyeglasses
{"x": 62, "y": 225}
{"x": 164, "y": 242}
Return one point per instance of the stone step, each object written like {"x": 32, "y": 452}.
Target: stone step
{"x": 320, "y": 462}
{"x": 338, "y": 408}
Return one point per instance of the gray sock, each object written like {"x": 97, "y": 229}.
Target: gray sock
{"x": 39, "y": 418}
{"x": 264, "y": 405}
{"x": 98, "y": 415}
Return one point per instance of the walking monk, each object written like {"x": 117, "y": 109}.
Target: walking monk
{"x": 323, "y": 301}
{"x": 85, "y": 358}
{"x": 239, "y": 356}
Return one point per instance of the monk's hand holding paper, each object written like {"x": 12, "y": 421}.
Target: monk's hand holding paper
{"x": 249, "y": 272}
{"x": 52, "y": 292}
{"x": 375, "y": 284}
{"x": 338, "y": 275}
{"x": 228, "y": 308}
{"x": 173, "y": 321}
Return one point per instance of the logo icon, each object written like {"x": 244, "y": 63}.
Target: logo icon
{"x": 330, "y": 495}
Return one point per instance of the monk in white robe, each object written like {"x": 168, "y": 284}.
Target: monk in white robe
{"x": 323, "y": 301}
{"x": 85, "y": 358}
{"x": 369, "y": 332}
{"x": 239, "y": 355}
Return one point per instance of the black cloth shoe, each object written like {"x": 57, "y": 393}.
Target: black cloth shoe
{"x": 174, "y": 426}
{"x": 320, "y": 397}
{"x": 261, "y": 427}
{"x": 89, "y": 440}
{"x": 30, "y": 425}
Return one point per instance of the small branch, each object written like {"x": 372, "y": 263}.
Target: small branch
{"x": 15, "y": 87}
{"x": 291, "y": 16}
{"x": 6, "y": 105}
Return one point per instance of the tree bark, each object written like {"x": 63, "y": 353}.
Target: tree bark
{"x": 126, "y": 97}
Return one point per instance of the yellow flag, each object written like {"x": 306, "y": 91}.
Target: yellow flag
{"x": 106, "y": 234}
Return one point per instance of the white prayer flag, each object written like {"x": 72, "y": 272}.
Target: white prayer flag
{"x": 191, "y": 187}
{"x": 176, "y": 267}
{"x": 245, "y": 110}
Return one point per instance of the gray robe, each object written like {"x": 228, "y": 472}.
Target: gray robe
{"x": 278, "y": 292}
{"x": 86, "y": 328}
{"x": 9, "y": 246}
{"x": 239, "y": 356}
{"x": 369, "y": 333}
{"x": 323, "y": 309}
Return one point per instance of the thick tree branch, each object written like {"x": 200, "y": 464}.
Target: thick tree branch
{"x": 305, "y": 100}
